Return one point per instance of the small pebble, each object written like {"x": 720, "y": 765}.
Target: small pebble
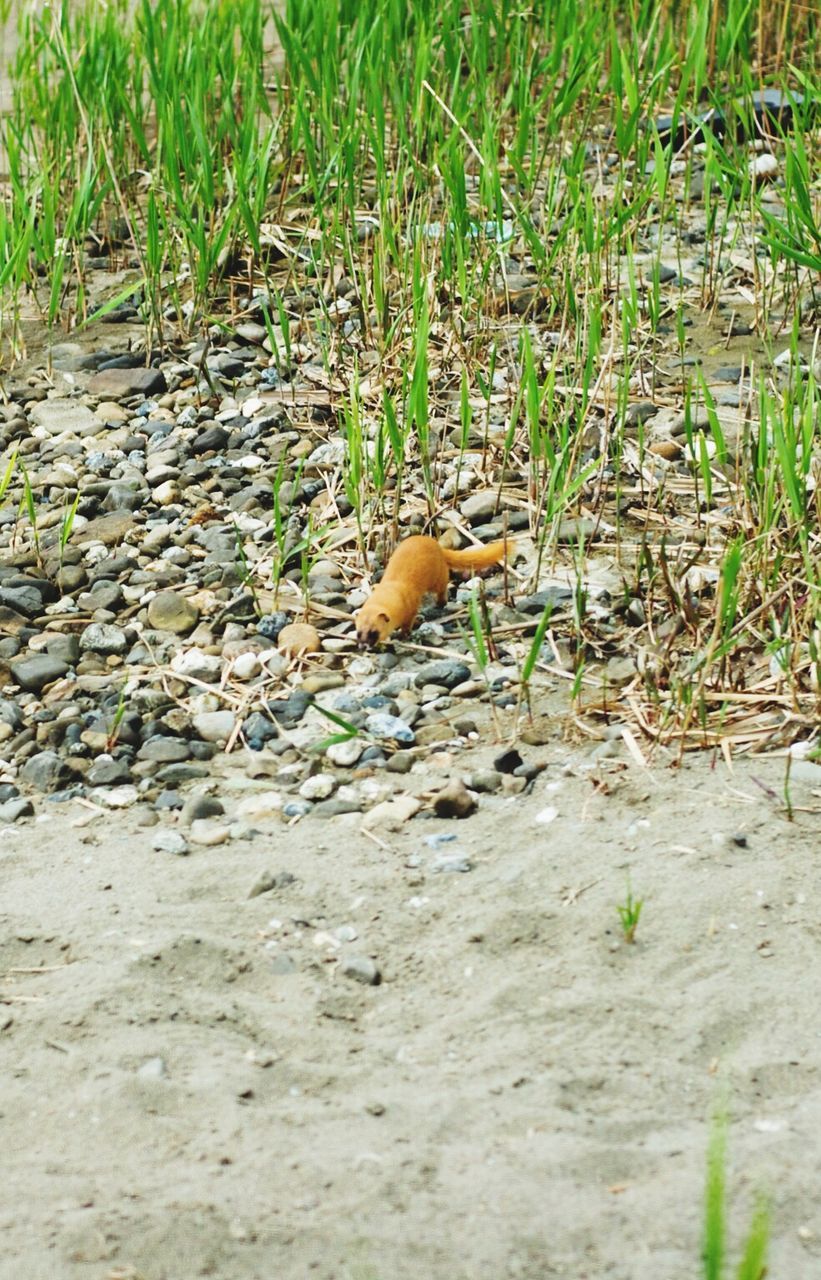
{"x": 360, "y": 969}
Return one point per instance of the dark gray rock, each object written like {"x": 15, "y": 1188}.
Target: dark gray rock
{"x": 34, "y": 672}
{"x": 555, "y": 597}
{"x": 292, "y": 709}
{"x": 123, "y": 495}
{"x": 212, "y": 440}
{"x": 25, "y": 600}
{"x": 334, "y": 807}
{"x": 45, "y": 771}
{"x": 171, "y": 775}
{"x": 66, "y": 648}
{"x": 257, "y": 729}
{"x": 200, "y": 807}
{"x": 446, "y": 672}
{"x": 108, "y": 773}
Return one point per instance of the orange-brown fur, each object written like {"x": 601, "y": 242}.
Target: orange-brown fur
{"x": 418, "y": 567}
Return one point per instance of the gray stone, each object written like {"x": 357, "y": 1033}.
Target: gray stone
{"x": 335, "y": 806}
{"x": 60, "y": 415}
{"x": 108, "y": 529}
{"x": 480, "y": 506}
{"x": 382, "y": 725}
{"x": 200, "y": 806}
{"x": 166, "y": 840}
{"x": 25, "y": 600}
{"x": 124, "y": 495}
{"x": 64, "y": 647}
{"x": 101, "y": 637}
{"x": 35, "y": 672}
{"x": 485, "y": 780}
{"x": 15, "y": 809}
{"x": 171, "y": 612}
{"x": 451, "y": 864}
{"x": 211, "y": 440}
{"x": 445, "y": 672}
{"x": 101, "y": 595}
{"x": 215, "y": 726}
{"x": 360, "y": 969}
{"x": 640, "y": 412}
{"x": 108, "y": 772}
{"x": 167, "y": 750}
{"x": 45, "y": 771}
{"x": 127, "y": 382}
{"x": 171, "y": 775}
{"x": 400, "y": 762}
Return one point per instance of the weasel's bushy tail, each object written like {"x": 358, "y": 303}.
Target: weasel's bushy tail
{"x": 477, "y": 557}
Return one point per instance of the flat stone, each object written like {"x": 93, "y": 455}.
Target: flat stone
{"x": 128, "y": 382}
{"x": 108, "y": 529}
{"x": 165, "y": 749}
{"x": 124, "y": 495}
{"x": 212, "y": 440}
{"x": 481, "y": 506}
{"x": 35, "y": 672}
{"x": 446, "y": 672}
{"x": 62, "y": 415}
{"x": 11, "y": 622}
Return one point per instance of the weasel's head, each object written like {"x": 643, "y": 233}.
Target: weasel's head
{"x": 373, "y": 626}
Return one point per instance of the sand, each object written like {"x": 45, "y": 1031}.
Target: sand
{"x": 192, "y": 1087}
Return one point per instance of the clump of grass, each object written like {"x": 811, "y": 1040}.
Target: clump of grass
{"x": 753, "y": 1262}
{"x": 629, "y": 915}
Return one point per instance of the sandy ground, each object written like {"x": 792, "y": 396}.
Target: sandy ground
{"x": 193, "y": 1088}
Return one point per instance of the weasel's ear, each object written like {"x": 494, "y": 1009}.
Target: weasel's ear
{"x": 383, "y": 617}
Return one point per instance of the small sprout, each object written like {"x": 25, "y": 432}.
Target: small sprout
{"x": 629, "y": 914}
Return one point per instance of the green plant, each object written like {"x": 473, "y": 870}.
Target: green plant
{"x": 753, "y": 1263}
{"x": 629, "y": 915}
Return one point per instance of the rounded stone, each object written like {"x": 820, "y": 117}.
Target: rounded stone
{"x": 298, "y": 638}
{"x": 215, "y": 726}
{"x": 169, "y": 611}
{"x": 101, "y": 637}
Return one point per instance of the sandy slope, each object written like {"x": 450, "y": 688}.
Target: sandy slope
{"x": 520, "y": 1096}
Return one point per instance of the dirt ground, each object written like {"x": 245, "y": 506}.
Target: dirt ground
{"x": 192, "y": 1087}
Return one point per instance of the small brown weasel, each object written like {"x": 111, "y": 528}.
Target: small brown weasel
{"x": 419, "y": 566}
